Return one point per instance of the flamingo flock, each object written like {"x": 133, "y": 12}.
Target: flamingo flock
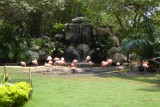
{"x": 58, "y": 63}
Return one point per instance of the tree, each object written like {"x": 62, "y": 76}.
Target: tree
{"x": 148, "y": 43}
{"x": 135, "y": 22}
{"x": 122, "y": 15}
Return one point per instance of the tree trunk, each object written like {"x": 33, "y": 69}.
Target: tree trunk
{"x": 120, "y": 22}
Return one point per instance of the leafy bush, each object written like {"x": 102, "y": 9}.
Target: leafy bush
{"x": 9, "y": 43}
{"x": 57, "y": 28}
{"x": 14, "y": 94}
{"x": 42, "y": 45}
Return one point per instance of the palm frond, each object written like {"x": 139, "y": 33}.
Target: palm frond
{"x": 134, "y": 44}
{"x": 123, "y": 44}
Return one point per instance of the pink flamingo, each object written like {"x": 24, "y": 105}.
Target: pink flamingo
{"x": 118, "y": 64}
{"x": 51, "y": 63}
{"x": 143, "y": 62}
{"x": 104, "y": 64}
{"x": 48, "y": 65}
{"x": 23, "y": 64}
{"x": 49, "y": 58}
{"x": 73, "y": 67}
{"x": 75, "y": 62}
{"x": 62, "y": 63}
{"x": 109, "y": 62}
{"x": 88, "y": 58}
{"x": 145, "y": 65}
{"x": 35, "y": 63}
{"x": 56, "y": 61}
{"x": 90, "y": 64}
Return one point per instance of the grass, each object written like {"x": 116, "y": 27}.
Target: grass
{"x": 91, "y": 91}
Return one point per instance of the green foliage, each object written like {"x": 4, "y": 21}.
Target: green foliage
{"x": 14, "y": 94}
{"x": 122, "y": 15}
{"x": 58, "y": 28}
{"x": 34, "y": 22}
{"x": 134, "y": 21}
{"x": 147, "y": 45}
{"x": 21, "y": 20}
{"x": 9, "y": 44}
{"x": 106, "y": 45}
{"x": 42, "y": 45}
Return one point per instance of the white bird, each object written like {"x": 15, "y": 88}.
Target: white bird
{"x": 35, "y": 63}
{"x": 23, "y": 64}
{"x": 49, "y": 58}
{"x": 62, "y": 59}
{"x": 118, "y": 64}
{"x": 88, "y": 58}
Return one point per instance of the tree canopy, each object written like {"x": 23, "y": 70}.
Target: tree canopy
{"x": 130, "y": 20}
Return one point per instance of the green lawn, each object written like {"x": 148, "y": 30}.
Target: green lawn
{"x": 91, "y": 91}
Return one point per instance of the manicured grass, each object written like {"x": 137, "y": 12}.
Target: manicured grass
{"x": 91, "y": 91}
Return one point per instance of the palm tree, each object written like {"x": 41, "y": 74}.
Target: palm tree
{"x": 146, "y": 45}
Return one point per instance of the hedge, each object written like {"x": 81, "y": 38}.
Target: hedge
{"x": 13, "y": 95}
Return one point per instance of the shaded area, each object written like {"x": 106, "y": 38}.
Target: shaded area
{"x": 150, "y": 89}
{"x": 136, "y": 76}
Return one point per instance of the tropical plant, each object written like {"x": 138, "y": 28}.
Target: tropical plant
{"x": 12, "y": 47}
{"x": 146, "y": 44}
{"x": 42, "y": 45}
